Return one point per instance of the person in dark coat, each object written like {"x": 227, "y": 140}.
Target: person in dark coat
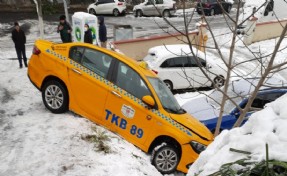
{"x": 19, "y": 39}
{"x": 102, "y": 31}
{"x": 65, "y": 30}
{"x": 88, "y": 38}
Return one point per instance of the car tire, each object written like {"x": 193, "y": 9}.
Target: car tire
{"x": 168, "y": 84}
{"x": 212, "y": 13}
{"x": 92, "y": 11}
{"x": 218, "y": 81}
{"x": 165, "y": 158}
{"x": 116, "y": 12}
{"x": 124, "y": 13}
{"x": 229, "y": 9}
{"x": 166, "y": 13}
{"x": 138, "y": 13}
{"x": 55, "y": 97}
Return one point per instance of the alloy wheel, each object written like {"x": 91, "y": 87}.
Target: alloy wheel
{"x": 54, "y": 97}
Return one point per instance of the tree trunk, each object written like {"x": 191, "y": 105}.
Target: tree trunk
{"x": 40, "y": 17}
{"x": 66, "y": 11}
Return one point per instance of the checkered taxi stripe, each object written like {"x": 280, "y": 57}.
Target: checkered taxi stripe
{"x": 123, "y": 92}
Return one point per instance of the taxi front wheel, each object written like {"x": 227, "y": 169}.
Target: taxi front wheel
{"x": 55, "y": 96}
{"x": 165, "y": 158}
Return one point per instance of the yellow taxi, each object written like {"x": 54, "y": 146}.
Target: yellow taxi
{"x": 120, "y": 94}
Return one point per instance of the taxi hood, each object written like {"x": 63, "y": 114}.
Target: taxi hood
{"x": 193, "y": 125}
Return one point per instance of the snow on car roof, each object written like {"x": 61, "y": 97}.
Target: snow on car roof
{"x": 207, "y": 107}
{"x": 164, "y": 51}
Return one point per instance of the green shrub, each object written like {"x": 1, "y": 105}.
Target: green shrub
{"x": 100, "y": 139}
{"x": 248, "y": 168}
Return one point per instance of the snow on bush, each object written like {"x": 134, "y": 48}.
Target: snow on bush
{"x": 264, "y": 127}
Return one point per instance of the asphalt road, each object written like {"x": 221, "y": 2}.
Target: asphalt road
{"x": 143, "y": 26}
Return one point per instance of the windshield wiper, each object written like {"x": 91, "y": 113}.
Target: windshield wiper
{"x": 181, "y": 111}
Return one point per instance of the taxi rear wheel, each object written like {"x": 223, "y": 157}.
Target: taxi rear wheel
{"x": 55, "y": 96}
{"x": 165, "y": 158}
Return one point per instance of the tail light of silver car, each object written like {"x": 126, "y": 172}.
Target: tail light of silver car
{"x": 36, "y": 50}
{"x": 120, "y": 3}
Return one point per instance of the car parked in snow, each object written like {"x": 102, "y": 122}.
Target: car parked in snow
{"x": 180, "y": 69}
{"x": 108, "y": 7}
{"x": 207, "y": 108}
{"x": 120, "y": 94}
{"x": 212, "y": 7}
{"x": 165, "y": 8}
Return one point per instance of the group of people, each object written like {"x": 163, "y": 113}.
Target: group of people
{"x": 65, "y": 30}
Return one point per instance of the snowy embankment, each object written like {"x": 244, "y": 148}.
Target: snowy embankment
{"x": 264, "y": 127}
{"x": 33, "y": 141}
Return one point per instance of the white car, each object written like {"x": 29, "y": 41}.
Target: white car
{"x": 108, "y": 7}
{"x": 165, "y": 8}
{"x": 179, "y": 69}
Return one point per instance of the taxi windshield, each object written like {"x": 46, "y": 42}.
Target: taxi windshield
{"x": 165, "y": 96}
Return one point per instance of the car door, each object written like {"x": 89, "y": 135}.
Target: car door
{"x": 159, "y": 7}
{"x": 101, "y": 7}
{"x": 197, "y": 70}
{"x": 125, "y": 111}
{"x": 259, "y": 102}
{"x": 148, "y": 8}
{"x": 110, "y": 6}
{"x": 177, "y": 71}
{"x": 225, "y": 5}
{"x": 88, "y": 72}
{"x": 216, "y": 6}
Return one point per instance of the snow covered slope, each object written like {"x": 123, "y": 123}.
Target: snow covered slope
{"x": 264, "y": 127}
{"x": 33, "y": 141}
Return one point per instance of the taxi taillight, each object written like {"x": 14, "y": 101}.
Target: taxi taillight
{"x": 36, "y": 50}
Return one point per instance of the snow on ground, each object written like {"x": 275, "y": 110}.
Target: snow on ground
{"x": 33, "y": 141}
{"x": 264, "y": 127}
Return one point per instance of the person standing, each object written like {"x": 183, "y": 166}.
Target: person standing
{"x": 102, "y": 31}
{"x": 88, "y": 38}
{"x": 65, "y": 30}
{"x": 19, "y": 39}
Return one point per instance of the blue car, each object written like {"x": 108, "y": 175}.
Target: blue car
{"x": 206, "y": 108}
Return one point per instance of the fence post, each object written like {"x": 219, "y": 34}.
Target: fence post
{"x": 202, "y": 36}
{"x": 249, "y": 30}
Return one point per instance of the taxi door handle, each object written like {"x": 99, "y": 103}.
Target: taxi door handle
{"x": 116, "y": 94}
{"x": 76, "y": 71}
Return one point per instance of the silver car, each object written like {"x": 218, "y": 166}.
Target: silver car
{"x": 165, "y": 8}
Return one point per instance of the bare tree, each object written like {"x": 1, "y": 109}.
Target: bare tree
{"x": 40, "y": 17}
{"x": 66, "y": 11}
{"x": 267, "y": 69}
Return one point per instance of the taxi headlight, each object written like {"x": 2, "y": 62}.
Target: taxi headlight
{"x": 197, "y": 147}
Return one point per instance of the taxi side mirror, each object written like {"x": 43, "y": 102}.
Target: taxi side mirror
{"x": 148, "y": 100}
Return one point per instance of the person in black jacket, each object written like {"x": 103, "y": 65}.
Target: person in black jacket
{"x": 19, "y": 39}
{"x": 65, "y": 30}
{"x": 88, "y": 38}
{"x": 102, "y": 31}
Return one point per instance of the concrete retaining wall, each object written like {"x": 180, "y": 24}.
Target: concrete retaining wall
{"x": 268, "y": 30}
{"x": 138, "y": 48}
